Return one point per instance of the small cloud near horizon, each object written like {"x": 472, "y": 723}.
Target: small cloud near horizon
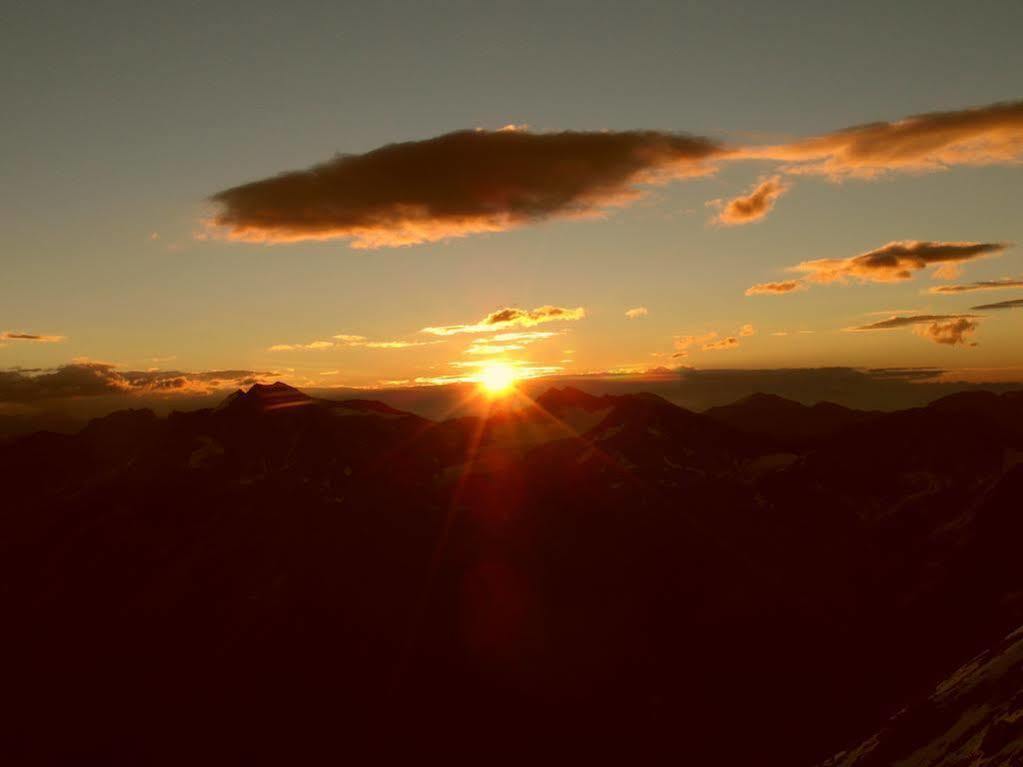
{"x": 511, "y": 317}
{"x": 636, "y": 312}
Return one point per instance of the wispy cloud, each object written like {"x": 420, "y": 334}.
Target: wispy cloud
{"x": 636, "y": 312}
{"x": 731, "y": 342}
{"x": 510, "y": 317}
{"x": 1012, "y": 304}
{"x": 970, "y": 287}
{"x": 345, "y": 340}
{"x": 754, "y": 205}
{"x": 775, "y": 288}
{"x": 985, "y": 135}
{"x": 897, "y": 261}
{"x": 709, "y": 342}
{"x": 948, "y": 329}
{"x": 457, "y": 184}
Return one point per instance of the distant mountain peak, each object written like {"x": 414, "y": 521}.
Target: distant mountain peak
{"x": 265, "y": 397}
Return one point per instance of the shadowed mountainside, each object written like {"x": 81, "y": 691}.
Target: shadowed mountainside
{"x": 289, "y": 576}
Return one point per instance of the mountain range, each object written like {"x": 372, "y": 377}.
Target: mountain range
{"x": 285, "y": 577}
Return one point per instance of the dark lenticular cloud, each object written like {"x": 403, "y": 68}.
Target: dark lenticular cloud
{"x": 1011, "y": 304}
{"x": 970, "y": 287}
{"x": 897, "y": 261}
{"x": 457, "y": 184}
{"x": 8, "y": 335}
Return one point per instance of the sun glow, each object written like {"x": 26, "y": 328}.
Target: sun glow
{"x": 497, "y": 379}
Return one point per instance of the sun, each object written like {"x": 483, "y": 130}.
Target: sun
{"x": 497, "y": 378}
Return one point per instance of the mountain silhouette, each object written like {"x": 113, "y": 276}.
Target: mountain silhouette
{"x": 285, "y": 577}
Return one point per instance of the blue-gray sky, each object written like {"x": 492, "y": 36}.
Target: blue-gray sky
{"x": 120, "y": 120}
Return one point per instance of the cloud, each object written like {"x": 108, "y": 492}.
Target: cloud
{"x": 684, "y": 343}
{"x": 344, "y": 340}
{"x": 708, "y": 342}
{"x": 500, "y": 343}
{"x": 985, "y": 135}
{"x": 906, "y": 321}
{"x": 511, "y": 317}
{"x": 311, "y": 346}
{"x": 775, "y": 288}
{"x": 636, "y": 313}
{"x": 952, "y": 332}
{"x": 1005, "y": 282}
{"x": 526, "y": 336}
{"x": 1012, "y": 304}
{"x": 457, "y": 184}
{"x": 949, "y": 329}
{"x": 731, "y": 342}
{"x": 747, "y": 330}
{"x": 753, "y": 206}
{"x": 895, "y": 261}
{"x": 9, "y": 335}
{"x": 92, "y": 379}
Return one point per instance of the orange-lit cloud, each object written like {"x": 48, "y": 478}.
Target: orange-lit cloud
{"x": 747, "y": 330}
{"x": 636, "y": 312}
{"x": 731, "y": 342}
{"x": 510, "y": 317}
{"x": 457, "y": 184}
{"x": 754, "y": 205}
{"x": 684, "y": 343}
{"x": 948, "y": 329}
{"x": 526, "y": 336}
{"x": 1006, "y": 282}
{"x": 9, "y": 335}
{"x": 934, "y": 141}
{"x": 775, "y": 288}
{"x": 951, "y": 333}
{"x": 896, "y": 261}
{"x": 344, "y": 340}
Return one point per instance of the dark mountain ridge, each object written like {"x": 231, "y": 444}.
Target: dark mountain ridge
{"x": 608, "y": 575}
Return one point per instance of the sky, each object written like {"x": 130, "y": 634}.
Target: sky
{"x": 578, "y": 188}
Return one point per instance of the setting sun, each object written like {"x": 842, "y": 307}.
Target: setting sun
{"x": 496, "y": 379}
